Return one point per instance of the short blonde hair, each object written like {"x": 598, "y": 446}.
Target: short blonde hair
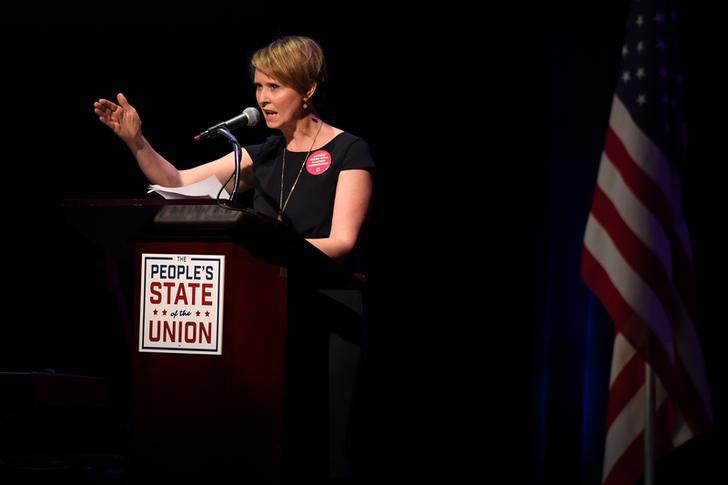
{"x": 296, "y": 61}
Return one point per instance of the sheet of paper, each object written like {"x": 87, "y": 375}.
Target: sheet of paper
{"x": 203, "y": 189}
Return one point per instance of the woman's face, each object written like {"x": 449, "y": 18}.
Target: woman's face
{"x": 279, "y": 104}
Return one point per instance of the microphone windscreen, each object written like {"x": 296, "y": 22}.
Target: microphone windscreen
{"x": 253, "y": 116}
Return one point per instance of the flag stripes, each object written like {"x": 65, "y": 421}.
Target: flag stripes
{"x": 637, "y": 260}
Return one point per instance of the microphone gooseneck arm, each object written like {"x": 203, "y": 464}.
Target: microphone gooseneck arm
{"x": 238, "y": 156}
{"x": 249, "y": 117}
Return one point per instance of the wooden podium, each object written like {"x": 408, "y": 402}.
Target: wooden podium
{"x": 251, "y": 407}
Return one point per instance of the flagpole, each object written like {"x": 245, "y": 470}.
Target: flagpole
{"x": 649, "y": 478}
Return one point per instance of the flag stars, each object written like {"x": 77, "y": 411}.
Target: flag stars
{"x": 641, "y": 99}
{"x": 640, "y": 73}
{"x": 625, "y": 50}
{"x": 640, "y": 46}
{"x": 625, "y": 76}
{"x": 640, "y": 20}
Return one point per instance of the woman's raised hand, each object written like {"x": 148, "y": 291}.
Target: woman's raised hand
{"x": 122, "y": 118}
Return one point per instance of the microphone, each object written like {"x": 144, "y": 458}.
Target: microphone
{"x": 249, "y": 117}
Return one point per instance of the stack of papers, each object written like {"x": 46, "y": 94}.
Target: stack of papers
{"x": 204, "y": 189}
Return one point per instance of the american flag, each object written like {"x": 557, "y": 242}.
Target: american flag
{"x": 637, "y": 255}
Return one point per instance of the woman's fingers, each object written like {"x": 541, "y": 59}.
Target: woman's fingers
{"x": 123, "y": 101}
{"x": 105, "y": 107}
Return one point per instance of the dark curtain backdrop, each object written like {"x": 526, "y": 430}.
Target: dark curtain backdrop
{"x": 490, "y": 356}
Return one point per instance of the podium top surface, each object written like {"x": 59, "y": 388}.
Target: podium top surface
{"x": 115, "y": 225}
